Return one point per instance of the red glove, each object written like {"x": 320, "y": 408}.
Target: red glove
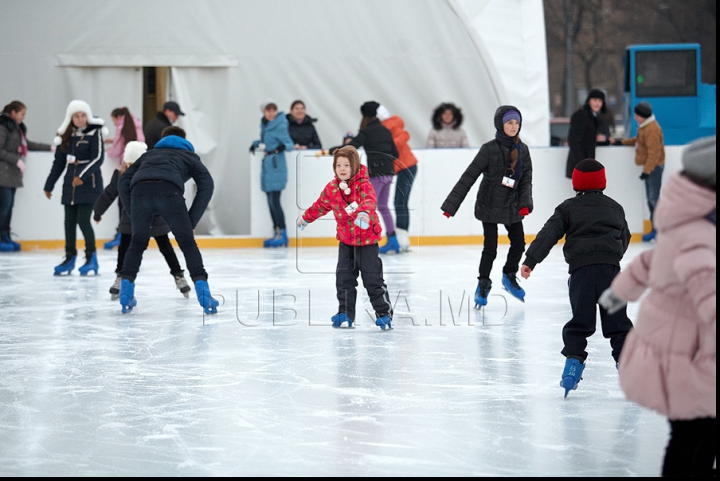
{"x": 524, "y": 211}
{"x": 447, "y": 215}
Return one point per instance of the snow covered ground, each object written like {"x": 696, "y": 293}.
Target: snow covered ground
{"x": 267, "y": 387}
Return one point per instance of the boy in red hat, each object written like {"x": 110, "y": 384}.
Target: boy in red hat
{"x": 596, "y": 238}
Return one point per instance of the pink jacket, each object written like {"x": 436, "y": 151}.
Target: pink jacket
{"x": 668, "y": 361}
{"x": 117, "y": 148}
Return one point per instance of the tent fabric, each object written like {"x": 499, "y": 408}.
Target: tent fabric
{"x": 229, "y": 55}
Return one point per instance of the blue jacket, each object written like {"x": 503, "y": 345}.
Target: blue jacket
{"x": 89, "y": 152}
{"x": 273, "y": 176}
{"x": 173, "y": 160}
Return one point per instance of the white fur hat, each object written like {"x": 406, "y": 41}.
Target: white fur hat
{"x": 382, "y": 113}
{"x": 133, "y": 151}
{"x": 267, "y": 102}
{"x": 72, "y": 108}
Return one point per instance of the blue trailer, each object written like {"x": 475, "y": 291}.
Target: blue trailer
{"x": 668, "y": 77}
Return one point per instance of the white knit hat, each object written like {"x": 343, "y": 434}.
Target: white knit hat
{"x": 382, "y": 113}
{"x": 72, "y": 108}
{"x": 267, "y": 102}
{"x": 133, "y": 151}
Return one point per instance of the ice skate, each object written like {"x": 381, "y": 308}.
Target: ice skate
{"x": 66, "y": 266}
{"x": 266, "y": 242}
{"x": 115, "y": 289}
{"x": 7, "y": 240}
{"x": 403, "y": 240}
{"x": 127, "y": 295}
{"x": 109, "y": 245}
{"x": 202, "y": 289}
{"x": 91, "y": 264}
{"x": 650, "y": 236}
{"x": 340, "y": 318}
{"x": 572, "y": 375}
{"x": 511, "y": 285}
{"x": 384, "y": 322}
{"x": 482, "y": 292}
{"x": 183, "y": 286}
{"x": 280, "y": 239}
{"x": 392, "y": 245}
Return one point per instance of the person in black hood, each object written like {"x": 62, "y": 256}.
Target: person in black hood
{"x": 504, "y": 197}
{"x": 154, "y": 186}
{"x": 154, "y": 128}
{"x": 301, "y": 128}
{"x": 584, "y": 131}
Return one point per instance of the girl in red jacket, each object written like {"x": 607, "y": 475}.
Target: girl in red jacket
{"x": 351, "y": 198}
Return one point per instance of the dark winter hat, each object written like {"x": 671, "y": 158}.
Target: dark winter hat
{"x": 500, "y": 116}
{"x": 643, "y": 109}
{"x": 589, "y": 174}
{"x": 596, "y": 94}
{"x": 699, "y": 164}
{"x": 173, "y": 107}
{"x": 511, "y": 115}
{"x": 369, "y": 109}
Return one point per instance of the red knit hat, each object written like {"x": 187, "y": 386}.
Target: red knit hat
{"x": 589, "y": 174}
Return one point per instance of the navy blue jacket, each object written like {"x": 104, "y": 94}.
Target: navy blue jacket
{"x": 87, "y": 147}
{"x": 379, "y": 147}
{"x": 304, "y": 133}
{"x": 173, "y": 160}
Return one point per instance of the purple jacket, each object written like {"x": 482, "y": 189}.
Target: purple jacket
{"x": 668, "y": 361}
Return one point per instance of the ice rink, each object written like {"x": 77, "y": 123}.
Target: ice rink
{"x": 267, "y": 387}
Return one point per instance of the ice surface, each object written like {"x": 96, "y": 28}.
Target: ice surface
{"x": 267, "y": 387}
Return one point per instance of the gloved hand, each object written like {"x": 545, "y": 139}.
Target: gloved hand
{"x": 524, "y": 211}
{"x": 97, "y": 218}
{"x": 252, "y": 148}
{"x": 610, "y": 301}
{"x": 280, "y": 148}
{"x": 447, "y": 215}
{"x": 617, "y": 142}
{"x": 302, "y": 223}
{"x": 644, "y": 176}
{"x": 21, "y": 165}
{"x": 362, "y": 220}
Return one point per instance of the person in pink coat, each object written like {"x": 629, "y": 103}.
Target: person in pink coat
{"x": 668, "y": 363}
{"x": 128, "y": 128}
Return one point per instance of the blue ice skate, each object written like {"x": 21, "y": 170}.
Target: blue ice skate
{"x": 202, "y": 289}
{"x": 384, "y": 322}
{"x": 127, "y": 295}
{"x": 6, "y": 239}
{"x": 339, "y": 318}
{"x": 90, "y": 265}
{"x": 572, "y": 375}
{"x": 649, "y": 236}
{"x": 280, "y": 239}
{"x": 511, "y": 285}
{"x": 482, "y": 292}
{"x": 392, "y": 245}
{"x": 111, "y": 244}
{"x": 66, "y": 266}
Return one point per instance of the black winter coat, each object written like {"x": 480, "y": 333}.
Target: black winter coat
{"x": 10, "y": 140}
{"x": 173, "y": 163}
{"x": 582, "y": 138}
{"x": 304, "y": 133}
{"x": 379, "y": 147}
{"x": 495, "y": 202}
{"x": 153, "y": 129}
{"x": 595, "y": 231}
{"x": 89, "y": 151}
{"x": 159, "y": 226}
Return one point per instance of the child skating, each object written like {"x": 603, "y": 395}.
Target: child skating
{"x": 504, "y": 197}
{"x": 351, "y": 198}
{"x": 596, "y": 238}
{"x": 159, "y": 231}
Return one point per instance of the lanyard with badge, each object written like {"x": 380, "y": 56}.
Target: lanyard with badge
{"x": 507, "y": 179}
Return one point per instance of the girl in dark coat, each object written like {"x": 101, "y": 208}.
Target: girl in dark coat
{"x": 159, "y": 231}
{"x": 301, "y": 128}
{"x": 504, "y": 197}
{"x": 584, "y": 132}
{"x": 14, "y": 146}
{"x": 80, "y": 149}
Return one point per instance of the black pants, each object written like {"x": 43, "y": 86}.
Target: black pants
{"x": 692, "y": 448}
{"x": 166, "y": 249}
{"x": 164, "y": 199}
{"x": 365, "y": 261}
{"x": 79, "y": 215}
{"x": 276, "y": 212}
{"x": 586, "y": 285}
{"x": 403, "y": 186}
{"x": 516, "y": 234}
{"x": 7, "y": 200}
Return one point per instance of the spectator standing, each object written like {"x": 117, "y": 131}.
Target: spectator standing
{"x": 301, "y": 128}
{"x": 14, "y": 146}
{"x": 584, "y": 135}
{"x": 446, "y": 132}
{"x": 650, "y": 153}
{"x": 405, "y": 171}
{"x": 167, "y": 117}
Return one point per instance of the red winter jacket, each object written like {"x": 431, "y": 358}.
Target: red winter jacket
{"x": 333, "y": 199}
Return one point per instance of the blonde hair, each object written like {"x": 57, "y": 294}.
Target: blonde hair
{"x": 350, "y": 153}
